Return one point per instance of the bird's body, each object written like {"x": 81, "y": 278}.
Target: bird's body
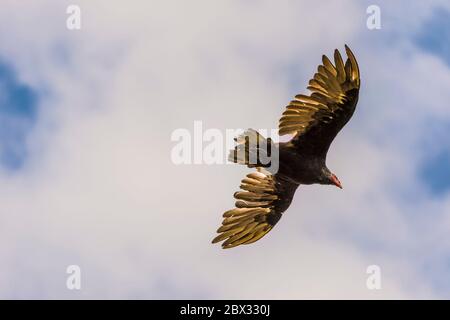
{"x": 315, "y": 121}
{"x": 297, "y": 167}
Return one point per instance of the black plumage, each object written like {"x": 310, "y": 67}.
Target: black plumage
{"x": 314, "y": 120}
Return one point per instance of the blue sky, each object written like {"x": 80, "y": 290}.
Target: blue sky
{"x": 18, "y": 112}
{"x": 434, "y": 32}
{"x": 434, "y": 38}
{"x": 86, "y": 176}
{"x": 436, "y": 172}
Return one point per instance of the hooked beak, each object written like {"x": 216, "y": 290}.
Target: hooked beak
{"x": 336, "y": 181}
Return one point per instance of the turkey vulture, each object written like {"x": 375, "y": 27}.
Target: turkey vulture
{"x": 313, "y": 121}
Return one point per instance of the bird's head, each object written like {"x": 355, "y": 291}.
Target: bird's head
{"x": 330, "y": 178}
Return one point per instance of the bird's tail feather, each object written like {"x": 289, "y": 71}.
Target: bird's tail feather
{"x": 253, "y": 150}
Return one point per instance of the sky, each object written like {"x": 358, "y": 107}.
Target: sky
{"x": 86, "y": 176}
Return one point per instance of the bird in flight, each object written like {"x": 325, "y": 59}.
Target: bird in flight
{"x": 314, "y": 121}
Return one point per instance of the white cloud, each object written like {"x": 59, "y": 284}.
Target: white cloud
{"x": 100, "y": 191}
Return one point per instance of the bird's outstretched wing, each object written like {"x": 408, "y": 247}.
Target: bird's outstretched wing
{"x": 264, "y": 197}
{"x": 315, "y": 120}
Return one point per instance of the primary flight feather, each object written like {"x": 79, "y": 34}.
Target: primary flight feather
{"x": 314, "y": 121}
